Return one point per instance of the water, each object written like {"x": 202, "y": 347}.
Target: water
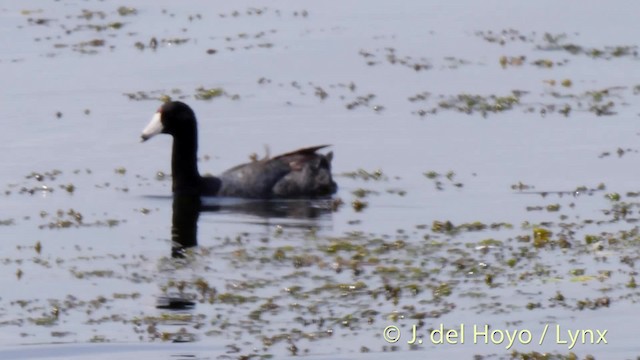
{"x": 91, "y": 261}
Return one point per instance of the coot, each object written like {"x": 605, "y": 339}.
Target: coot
{"x": 300, "y": 173}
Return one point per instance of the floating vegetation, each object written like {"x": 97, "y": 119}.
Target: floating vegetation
{"x": 44, "y": 183}
{"x": 248, "y": 37}
{"x": 208, "y": 94}
{"x": 154, "y": 43}
{"x": 506, "y": 36}
{"x": 157, "y": 95}
{"x": 74, "y": 219}
{"x": 566, "y": 83}
{"x": 544, "y": 63}
{"x": 389, "y": 54}
{"x": 438, "y": 179}
{"x": 89, "y": 15}
{"x": 613, "y": 196}
{"x": 321, "y": 93}
{"x": 127, "y": 11}
{"x": 7, "y": 222}
{"x": 601, "y": 102}
{"x": 522, "y": 186}
{"x": 262, "y": 11}
{"x": 619, "y": 151}
{"x": 419, "y": 274}
{"x": 30, "y": 12}
{"x": 511, "y": 60}
{"x": 70, "y": 188}
{"x": 361, "y": 193}
{"x": 399, "y": 192}
{"x": 40, "y": 21}
{"x": 553, "y": 207}
{"x": 469, "y": 104}
{"x": 344, "y": 92}
{"x": 358, "y": 205}
{"x": 555, "y": 42}
{"x": 175, "y": 41}
{"x": 88, "y": 47}
{"x": 593, "y": 304}
{"x": 360, "y": 101}
{"x": 447, "y": 227}
{"x": 48, "y": 175}
{"x": 362, "y": 174}
{"x": 541, "y": 237}
{"x": 116, "y": 25}
{"x": 423, "y": 96}
{"x": 200, "y": 93}
{"x": 534, "y": 355}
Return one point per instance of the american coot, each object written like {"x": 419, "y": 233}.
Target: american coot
{"x": 300, "y": 173}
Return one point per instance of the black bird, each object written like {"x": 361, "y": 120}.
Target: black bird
{"x": 297, "y": 174}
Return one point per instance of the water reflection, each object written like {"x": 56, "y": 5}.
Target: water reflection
{"x": 184, "y": 224}
{"x": 302, "y": 213}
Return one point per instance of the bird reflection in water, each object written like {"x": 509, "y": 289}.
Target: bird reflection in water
{"x": 300, "y": 213}
{"x": 184, "y": 224}
{"x": 294, "y": 213}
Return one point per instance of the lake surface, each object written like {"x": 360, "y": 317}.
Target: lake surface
{"x": 486, "y": 155}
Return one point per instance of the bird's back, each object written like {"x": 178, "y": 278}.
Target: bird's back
{"x": 301, "y": 173}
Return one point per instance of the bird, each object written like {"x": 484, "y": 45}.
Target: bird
{"x": 302, "y": 173}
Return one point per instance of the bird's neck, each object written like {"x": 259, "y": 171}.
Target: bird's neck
{"x": 184, "y": 167}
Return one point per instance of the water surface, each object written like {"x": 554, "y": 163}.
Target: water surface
{"x": 468, "y": 130}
